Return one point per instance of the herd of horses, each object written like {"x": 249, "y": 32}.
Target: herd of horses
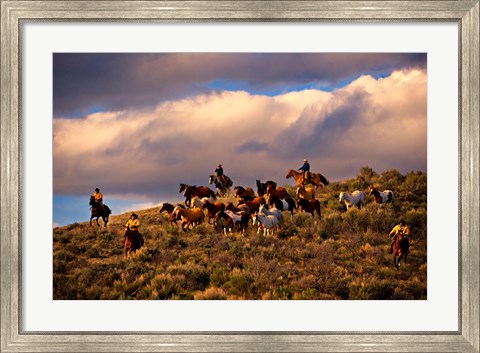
{"x": 263, "y": 208}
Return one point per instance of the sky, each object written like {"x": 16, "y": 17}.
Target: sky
{"x": 138, "y": 125}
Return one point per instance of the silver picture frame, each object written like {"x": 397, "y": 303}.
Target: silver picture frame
{"x": 464, "y": 13}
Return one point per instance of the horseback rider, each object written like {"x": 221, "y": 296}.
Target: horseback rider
{"x": 98, "y": 196}
{"x": 219, "y": 174}
{"x": 133, "y": 224}
{"x": 400, "y": 228}
{"x": 305, "y": 168}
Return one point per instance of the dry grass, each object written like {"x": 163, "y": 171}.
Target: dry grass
{"x": 342, "y": 256}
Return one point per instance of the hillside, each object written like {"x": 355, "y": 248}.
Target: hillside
{"x": 343, "y": 255}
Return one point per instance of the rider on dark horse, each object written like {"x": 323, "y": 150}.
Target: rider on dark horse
{"x": 219, "y": 174}
{"x": 98, "y": 196}
{"x": 133, "y": 224}
{"x": 306, "y": 169}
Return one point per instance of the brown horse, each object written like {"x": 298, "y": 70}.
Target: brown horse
{"x": 253, "y": 205}
{"x": 309, "y": 206}
{"x": 241, "y": 207}
{"x": 401, "y": 248}
{"x": 169, "y": 208}
{"x": 246, "y": 194}
{"x": 212, "y": 209}
{"x": 133, "y": 241}
{"x": 279, "y": 192}
{"x": 198, "y": 191}
{"x": 316, "y": 179}
{"x": 97, "y": 212}
{"x": 262, "y": 187}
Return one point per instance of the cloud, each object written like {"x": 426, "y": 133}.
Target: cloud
{"x": 380, "y": 122}
{"x": 87, "y": 82}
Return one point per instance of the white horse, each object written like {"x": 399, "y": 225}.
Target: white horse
{"x": 266, "y": 223}
{"x": 196, "y": 202}
{"x": 356, "y": 198}
{"x": 270, "y": 212}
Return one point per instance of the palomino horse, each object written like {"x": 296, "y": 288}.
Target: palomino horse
{"x": 262, "y": 187}
{"x": 401, "y": 248}
{"x": 133, "y": 241}
{"x": 97, "y": 212}
{"x": 306, "y": 193}
{"x": 316, "y": 179}
{"x": 199, "y": 191}
{"x": 223, "y": 189}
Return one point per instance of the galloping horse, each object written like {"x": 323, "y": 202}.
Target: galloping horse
{"x": 133, "y": 241}
{"x": 262, "y": 187}
{"x": 222, "y": 189}
{"x": 279, "y": 192}
{"x": 189, "y": 217}
{"x": 171, "y": 212}
{"x": 231, "y": 219}
{"x": 199, "y": 191}
{"x": 246, "y": 194}
{"x": 309, "y": 206}
{"x": 316, "y": 179}
{"x": 385, "y": 196}
{"x": 287, "y": 204}
{"x": 97, "y": 212}
{"x": 401, "y": 249}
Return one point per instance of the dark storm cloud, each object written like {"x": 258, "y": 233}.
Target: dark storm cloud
{"x": 252, "y": 146}
{"x": 84, "y": 82}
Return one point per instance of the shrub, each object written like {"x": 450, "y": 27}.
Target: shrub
{"x": 211, "y": 293}
{"x": 195, "y": 276}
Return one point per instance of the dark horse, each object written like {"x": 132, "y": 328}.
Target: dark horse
{"x": 198, "y": 191}
{"x": 222, "y": 189}
{"x": 133, "y": 241}
{"x": 97, "y": 212}
{"x": 262, "y": 187}
{"x": 401, "y": 248}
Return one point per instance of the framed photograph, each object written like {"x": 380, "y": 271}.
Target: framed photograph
{"x": 285, "y": 158}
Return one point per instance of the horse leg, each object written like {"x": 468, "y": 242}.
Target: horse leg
{"x": 98, "y": 224}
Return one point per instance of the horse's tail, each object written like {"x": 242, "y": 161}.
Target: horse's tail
{"x": 323, "y": 180}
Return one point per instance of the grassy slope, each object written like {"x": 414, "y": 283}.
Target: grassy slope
{"x": 342, "y": 256}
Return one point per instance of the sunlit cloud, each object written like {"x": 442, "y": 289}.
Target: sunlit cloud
{"x": 379, "y": 122}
